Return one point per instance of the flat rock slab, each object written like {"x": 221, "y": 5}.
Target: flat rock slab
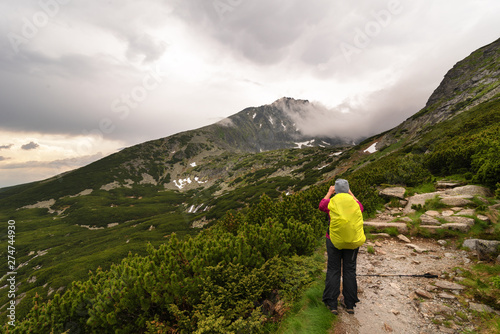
{"x": 461, "y": 220}
{"x": 466, "y": 212}
{"x": 456, "y": 227}
{"x": 449, "y": 285}
{"x": 425, "y": 219}
{"x": 433, "y": 213}
{"x": 456, "y": 201}
{"x": 402, "y": 228}
{"x": 448, "y": 184}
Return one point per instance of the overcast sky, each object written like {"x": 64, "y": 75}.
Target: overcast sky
{"x": 81, "y": 79}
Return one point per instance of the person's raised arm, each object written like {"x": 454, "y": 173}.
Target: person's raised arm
{"x": 330, "y": 192}
{"x": 357, "y": 200}
{"x": 323, "y": 205}
{"x": 350, "y": 193}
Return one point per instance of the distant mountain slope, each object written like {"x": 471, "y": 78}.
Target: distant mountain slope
{"x": 472, "y": 81}
{"x": 166, "y": 161}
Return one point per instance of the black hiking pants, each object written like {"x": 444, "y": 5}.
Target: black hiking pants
{"x": 340, "y": 260}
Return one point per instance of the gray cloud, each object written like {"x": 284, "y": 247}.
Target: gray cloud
{"x": 357, "y": 118}
{"x": 288, "y": 47}
{"x": 30, "y": 146}
{"x": 3, "y": 158}
{"x": 6, "y": 147}
{"x": 69, "y": 163}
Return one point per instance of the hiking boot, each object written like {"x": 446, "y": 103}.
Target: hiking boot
{"x": 332, "y": 309}
{"x": 350, "y": 311}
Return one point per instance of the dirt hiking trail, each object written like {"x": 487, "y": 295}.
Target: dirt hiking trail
{"x": 409, "y": 305}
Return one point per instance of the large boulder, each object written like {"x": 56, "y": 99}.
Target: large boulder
{"x": 393, "y": 192}
{"x": 469, "y": 190}
{"x": 485, "y": 249}
{"x": 419, "y": 199}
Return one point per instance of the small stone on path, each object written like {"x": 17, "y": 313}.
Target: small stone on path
{"x": 449, "y": 285}
{"x": 446, "y": 295}
{"x": 387, "y": 327}
{"x": 404, "y": 238}
{"x": 416, "y": 248}
{"x": 423, "y": 293}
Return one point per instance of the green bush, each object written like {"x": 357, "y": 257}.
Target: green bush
{"x": 217, "y": 280}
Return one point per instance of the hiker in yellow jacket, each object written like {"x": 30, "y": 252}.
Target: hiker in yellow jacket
{"x": 344, "y": 237}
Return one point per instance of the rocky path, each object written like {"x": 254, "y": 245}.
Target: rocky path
{"x": 407, "y": 304}
{"x": 415, "y": 305}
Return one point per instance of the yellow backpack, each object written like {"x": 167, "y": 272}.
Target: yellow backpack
{"x": 346, "y": 222}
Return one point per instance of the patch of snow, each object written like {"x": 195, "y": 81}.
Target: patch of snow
{"x": 372, "y": 148}
{"x": 182, "y": 182}
{"x": 193, "y": 208}
{"x": 324, "y": 142}
{"x": 337, "y": 153}
{"x": 306, "y": 143}
{"x": 271, "y": 120}
{"x": 197, "y": 179}
{"x": 320, "y": 168}
{"x": 254, "y": 114}
{"x": 283, "y": 125}
{"x": 193, "y": 164}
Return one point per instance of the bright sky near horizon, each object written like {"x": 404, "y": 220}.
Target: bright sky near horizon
{"x": 81, "y": 79}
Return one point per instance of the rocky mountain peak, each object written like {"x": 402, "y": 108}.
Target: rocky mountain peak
{"x": 472, "y": 81}
{"x": 289, "y": 102}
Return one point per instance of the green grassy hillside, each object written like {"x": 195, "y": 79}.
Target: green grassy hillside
{"x": 256, "y": 241}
